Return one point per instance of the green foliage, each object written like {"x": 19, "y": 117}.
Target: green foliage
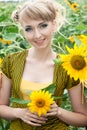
{"x": 9, "y": 31}
{"x": 75, "y": 24}
{"x": 4, "y": 125}
{"x": 19, "y": 101}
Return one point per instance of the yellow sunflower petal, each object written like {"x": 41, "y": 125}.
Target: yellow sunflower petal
{"x": 40, "y": 102}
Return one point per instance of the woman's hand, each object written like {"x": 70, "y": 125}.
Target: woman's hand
{"x": 54, "y": 111}
{"x": 31, "y": 118}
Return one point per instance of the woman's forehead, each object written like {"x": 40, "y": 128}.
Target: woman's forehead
{"x": 32, "y": 22}
{"x": 26, "y": 18}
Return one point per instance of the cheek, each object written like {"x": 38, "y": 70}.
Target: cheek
{"x": 28, "y": 36}
{"x": 50, "y": 31}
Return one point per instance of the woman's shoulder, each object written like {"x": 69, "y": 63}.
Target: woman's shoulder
{"x": 18, "y": 54}
{"x": 13, "y": 58}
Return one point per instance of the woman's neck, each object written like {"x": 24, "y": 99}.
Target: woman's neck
{"x": 41, "y": 54}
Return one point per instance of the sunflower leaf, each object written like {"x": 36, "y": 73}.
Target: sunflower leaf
{"x": 19, "y": 101}
{"x": 60, "y": 97}
{"x": 50, "y": 88}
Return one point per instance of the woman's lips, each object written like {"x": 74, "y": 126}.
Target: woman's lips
{"x": 40, "y": 41}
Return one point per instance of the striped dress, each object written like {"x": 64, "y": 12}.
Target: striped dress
{"x": 12, "y": 67}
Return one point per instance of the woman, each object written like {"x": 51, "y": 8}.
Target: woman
{"x": 34, "y": 69}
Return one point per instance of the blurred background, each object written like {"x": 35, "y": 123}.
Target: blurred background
{"x": 12, "y": 38}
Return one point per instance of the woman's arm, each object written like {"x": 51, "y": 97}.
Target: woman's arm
{"x": 5, "y": 92}
{"x": 7, "y": 112}
{"x": 79, "y": 115}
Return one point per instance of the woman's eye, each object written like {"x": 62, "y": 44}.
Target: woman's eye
{"x": 44, "y": 25}
{"x": 28, "y": 29}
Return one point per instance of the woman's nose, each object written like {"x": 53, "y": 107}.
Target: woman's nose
{"x": 37, "y": 33}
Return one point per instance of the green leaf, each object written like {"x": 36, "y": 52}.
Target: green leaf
{"x": 10, "y": 36}
{"x": 1, "y": 124}
{"x": 81, "y": 27}
{"x": 7, "y": 125}
{"x": 50, "y": 88}
{"x": 19, "y": 101}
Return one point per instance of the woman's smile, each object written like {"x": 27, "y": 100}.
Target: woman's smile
{"x": 40, "y": 41}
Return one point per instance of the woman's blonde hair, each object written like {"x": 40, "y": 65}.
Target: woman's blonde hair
{"x": 47, "y": 10}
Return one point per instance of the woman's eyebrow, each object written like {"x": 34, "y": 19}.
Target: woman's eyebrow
{"x": 28, "y": 26}
{"x": 41, "y": 23}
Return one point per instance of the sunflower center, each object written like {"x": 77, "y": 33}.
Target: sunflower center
{"x": 78, "y": 62}
{"x": 40, "y": 103}
{"x": 75, "y": 6}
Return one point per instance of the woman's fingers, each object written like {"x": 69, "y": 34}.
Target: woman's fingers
{"x": 33, "y": 118}
{"x": 32, "y": 123}
{"x": 36, "y": 120}
{"x": 53, "y": 110}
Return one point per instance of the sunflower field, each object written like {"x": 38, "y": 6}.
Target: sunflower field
{"x": 73, "y": 31}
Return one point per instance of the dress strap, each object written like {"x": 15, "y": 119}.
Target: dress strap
{"x": 84, "y": 84}
{"x": 0, "y": 79}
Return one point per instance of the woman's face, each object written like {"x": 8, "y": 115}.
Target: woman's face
{"x": 38, "y": 32}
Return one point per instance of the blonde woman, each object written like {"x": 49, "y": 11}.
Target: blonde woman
{"x": 34, "y": 69}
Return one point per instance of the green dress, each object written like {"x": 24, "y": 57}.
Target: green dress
{"x": 12, "y": 67}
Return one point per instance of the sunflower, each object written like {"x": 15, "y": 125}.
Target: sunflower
{"x": 40, "y": 102}
{"x": 75, "y": 62}
{"x": 74, "y": 6}
{"x": 3, "y": 41}
{"x": 81, "y": 37}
